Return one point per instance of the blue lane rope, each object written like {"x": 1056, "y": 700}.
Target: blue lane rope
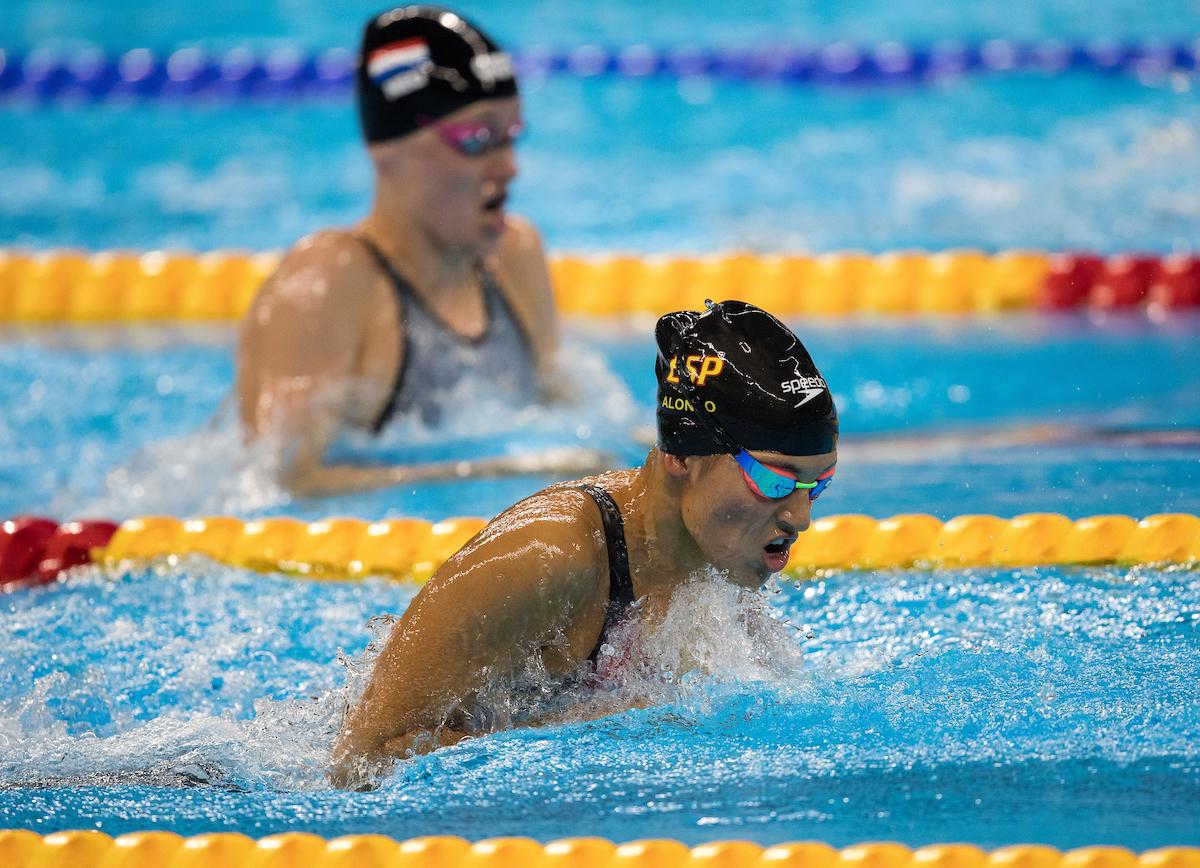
{"x": 91, "y": 74}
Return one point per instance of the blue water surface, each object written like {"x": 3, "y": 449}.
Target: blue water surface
{"x": 158, "y": 24}
{"x": 1004, "y": 415}
{"x": 1048, "y": 705}
{"x": 1030, "y": 160}
{"x": 1073, "y": 161}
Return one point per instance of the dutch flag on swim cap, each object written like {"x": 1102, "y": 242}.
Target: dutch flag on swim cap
{"x": 420, "y": 63}
{"x": 399, "y": 63}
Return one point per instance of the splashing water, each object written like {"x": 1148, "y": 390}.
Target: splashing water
{"x": 176, "y": 672}
{"x": 214, "y": 471}
{"x": 173, "y": 675}
{"x": 210, "y": 472}
{"x": 590, "y": 406}
{"x": 157, "y": 647}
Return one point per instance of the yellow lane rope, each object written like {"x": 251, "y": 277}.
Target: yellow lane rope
{"x": 71, "y": 286}
{"x": 412, "y": 549}
{"x": 91, "y": 849}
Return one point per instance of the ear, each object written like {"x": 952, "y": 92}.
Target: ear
{"x": 675, "y": 465}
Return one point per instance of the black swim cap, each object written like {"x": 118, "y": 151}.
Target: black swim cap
{"x": 420, "y": 63}
{"x": 734, "y": 376}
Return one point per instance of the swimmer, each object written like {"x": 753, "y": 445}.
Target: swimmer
{"x": 437, "y": 284}
{"x": 747, "y": 440}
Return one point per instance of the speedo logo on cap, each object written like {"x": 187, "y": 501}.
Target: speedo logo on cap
{"x": 399, "y": 68}
{"x": 807, "y": 387}
{"x": 491, "y": 68}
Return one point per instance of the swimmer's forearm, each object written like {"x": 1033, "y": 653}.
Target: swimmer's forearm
{"x": 355, "y": 770}
{"x": 423, "y": 741}
{"x": 364, "y": 752}
{"x": 341, "y": 478}
{"x": 330, "y": 479}
{"x": 326, "y": 480}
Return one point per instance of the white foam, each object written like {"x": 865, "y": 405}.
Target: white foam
{"x": 712, "y": 634}
{"x": 214, "y": 471}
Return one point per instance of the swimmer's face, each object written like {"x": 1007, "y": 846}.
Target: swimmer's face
{"x": 739, "y": 531}
{"x": 459, "y": 199}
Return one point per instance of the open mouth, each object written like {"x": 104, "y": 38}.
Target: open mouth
{"x": 495, "y": 203}
{"x": 776, "y": 553}
{"x": 779, "y": 545}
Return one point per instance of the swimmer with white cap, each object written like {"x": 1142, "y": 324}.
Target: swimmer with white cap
{"x": 747, "y": 440}
{"x": 437, "y": 284}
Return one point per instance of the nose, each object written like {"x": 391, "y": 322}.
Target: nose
{"x": 502, "y": 166}
{"x": 795, "y": 512}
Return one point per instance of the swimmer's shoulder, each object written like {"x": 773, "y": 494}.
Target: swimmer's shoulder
{"x": 520, "y": 261}
{"x": 520, "y": 243}
{"x": 558, "y": 531}
{"x": 329, "y": 273}
{"x": 557, "y": 519}
{"x": 313, "y": 311}
{"x": 580, "y": 508}
{"x": 326, "y": 265}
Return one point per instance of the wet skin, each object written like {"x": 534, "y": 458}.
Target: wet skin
{"x": 535, "y": 581}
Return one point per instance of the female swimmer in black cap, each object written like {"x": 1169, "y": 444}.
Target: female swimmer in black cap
{"x": 437, "y": 284}
{"x": 747, "y": 440}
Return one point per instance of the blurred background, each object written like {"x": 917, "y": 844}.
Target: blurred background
{"x": 1074, "y": 158}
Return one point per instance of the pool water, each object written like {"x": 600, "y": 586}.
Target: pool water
{"x": 1052, "y": 705}
{"x": 1074, "y": 162}
{"x": 995, "y": 706}
{"x": 943, "y": 416}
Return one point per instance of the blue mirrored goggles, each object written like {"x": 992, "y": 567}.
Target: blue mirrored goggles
{"x": 775, "y": 483}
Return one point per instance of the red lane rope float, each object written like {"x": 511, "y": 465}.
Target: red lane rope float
{"x": 1123, "y": 280}
{"x": 35, "y": 550}
{"x": 68, "y": 286}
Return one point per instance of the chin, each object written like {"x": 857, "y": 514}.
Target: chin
{"x": 751, "y": 578}
{"x": 494, "y": 224}
{"x": 486, "y": 243}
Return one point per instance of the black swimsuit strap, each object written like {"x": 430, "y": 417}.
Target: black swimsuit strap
{"x": 403, "y": 287}
{"x": 404, "y": 292}
{"x": 620, "y": 582}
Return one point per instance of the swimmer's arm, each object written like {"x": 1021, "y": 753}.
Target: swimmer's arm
{"x": 297, "y": 357}
{"x": 511, "y": 589}
{"x": 299, "y": 346}
{"x": 564, "y": 462}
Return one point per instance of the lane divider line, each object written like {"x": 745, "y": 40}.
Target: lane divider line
{"x": 71, "y": 286}
{"x": 36, "y": 550}
{"x": 243, "y": 72}
{"x": 87, "y": 848}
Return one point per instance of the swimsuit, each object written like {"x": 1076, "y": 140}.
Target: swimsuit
{"x": 437, "y": 363}
{"x": 620, "y": 583}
